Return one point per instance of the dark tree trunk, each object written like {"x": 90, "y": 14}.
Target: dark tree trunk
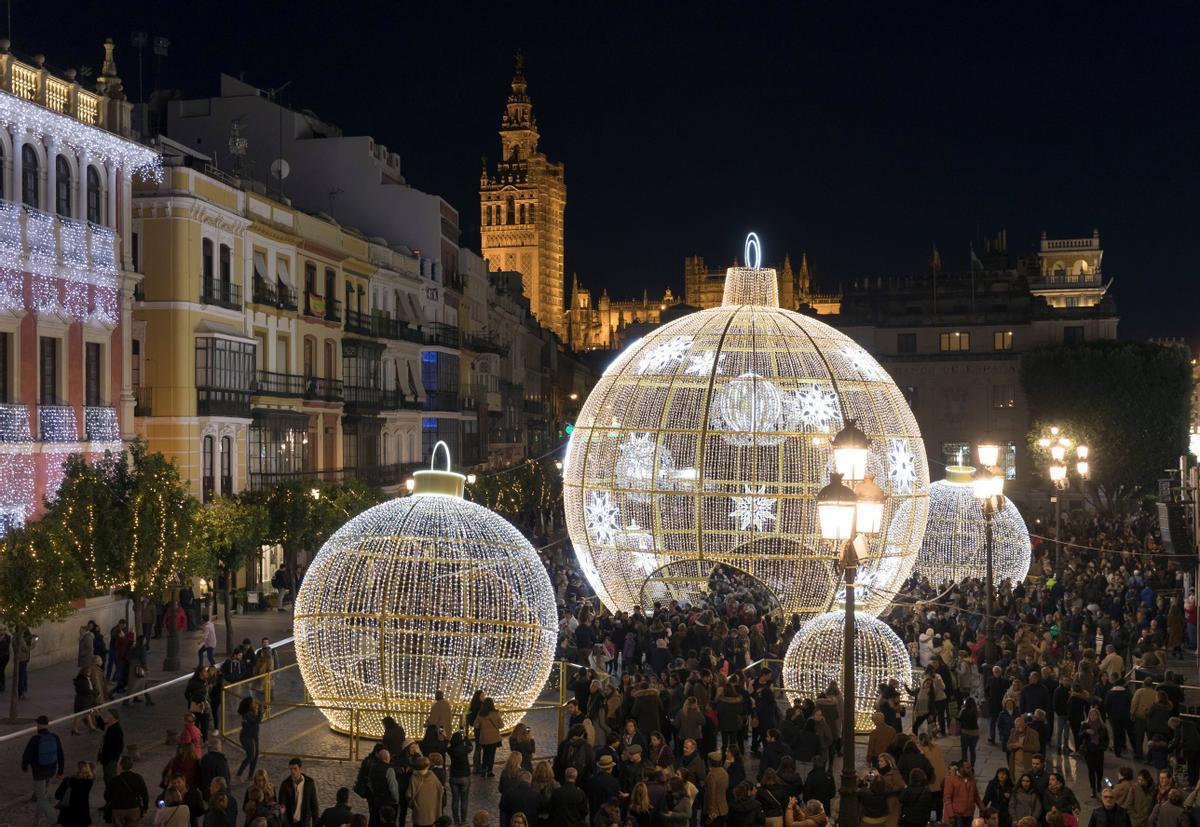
{"x": 228, "y": 614}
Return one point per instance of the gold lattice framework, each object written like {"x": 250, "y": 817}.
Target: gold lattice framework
{"x": 708, "y": 441}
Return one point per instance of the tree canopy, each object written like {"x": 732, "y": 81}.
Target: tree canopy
{"x": 1129, "y": 401}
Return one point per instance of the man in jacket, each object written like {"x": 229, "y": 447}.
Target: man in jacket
{"x": 1023, "y": 744}
{"x": 383, "y": 790}
{"x": 214, "y": 764}
{"x": 1116, "y": 707}
{"x": 568, "y": 805}
{"x": 1185, "y": 742}
{"x": 127, "y": 796}
{"x": 112, "y": 746}
{"x": 340, "y": 813}
{"x": 520, "y": 797}
{"x": 298, "y": 797}
{"x": 1109, "y": 814}
{"x": 43, "y": 758}
{"x": 994, "y": 693}
{"x": 716, "y": 791}
{"x": 1139, "y": 707}
{"x": 425, "y": 794}
{"x": 880, "y": 738}
{"x": 603, "y": 785}
{"x": 440, "y": 714}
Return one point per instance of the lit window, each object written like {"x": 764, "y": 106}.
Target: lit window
{"x": 1002, "y": 340}
{"x": 955, "y": 342}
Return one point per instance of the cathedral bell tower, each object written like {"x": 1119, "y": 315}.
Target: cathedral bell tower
{"x": 521, "y": 209}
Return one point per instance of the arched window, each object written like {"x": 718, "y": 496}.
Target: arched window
{"x": 93, "y": 195}
{"x": 62, "y": 187}
{"x": 529, "y": 214}
{"x": 206, "y": 467}
{"x": 511, "y": 217}
{"x": 3, "y": 174}
{"x": 226, "y": 467}
{"x": 29, "y": 176}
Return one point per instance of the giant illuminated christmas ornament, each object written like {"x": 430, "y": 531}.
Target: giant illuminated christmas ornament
{"x": 955, "y": 545}
{"x": 419, "y": 594}
{"x": 814, "y": 661}
{"x": 709, "y": 439}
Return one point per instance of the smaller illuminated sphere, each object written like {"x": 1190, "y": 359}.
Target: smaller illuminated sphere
{"x": 955, "y": 544}
{"x": 814, "y": 660}
{"x": 418, "y": 594}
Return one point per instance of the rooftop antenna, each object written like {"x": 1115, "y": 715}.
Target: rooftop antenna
{"x": 139, "y": 40}
{"x": 273, "y": 96}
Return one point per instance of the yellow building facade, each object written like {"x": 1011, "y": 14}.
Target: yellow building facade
{"x": 270, "y": 345}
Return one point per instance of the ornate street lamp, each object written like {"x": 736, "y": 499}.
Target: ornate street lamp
{"x": 1058, "y": 445}
{"x": 989, "y": 490}
{"x": 844, "y": 514}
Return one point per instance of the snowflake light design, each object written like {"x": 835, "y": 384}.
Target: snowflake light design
{"x": 861, "y": 362}
{"x": 663, "y": 355}
{"x": 603, "y": 518}
{"x": 636, "y": 465}
{"x": 702, "y": 363}
{"x": 902, "y": 466}
{"x": 814, "y": 407}
{"x": 753, "y": 510}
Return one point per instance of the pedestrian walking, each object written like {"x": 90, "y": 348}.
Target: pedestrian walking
{"x": 43, "y": 758}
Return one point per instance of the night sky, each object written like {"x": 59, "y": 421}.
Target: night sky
{"x": 862, "y": 134}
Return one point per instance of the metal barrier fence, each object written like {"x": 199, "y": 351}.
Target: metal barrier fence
{"x": 282, "y": 691}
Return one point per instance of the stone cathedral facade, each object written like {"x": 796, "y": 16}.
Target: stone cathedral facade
{"x": 522, "y": 203}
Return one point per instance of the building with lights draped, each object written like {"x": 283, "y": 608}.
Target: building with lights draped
{"x": 67, "y": 273}
{"x": 521, "y": 209}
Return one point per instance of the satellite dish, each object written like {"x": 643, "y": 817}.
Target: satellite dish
{"x": 280, "y": 169}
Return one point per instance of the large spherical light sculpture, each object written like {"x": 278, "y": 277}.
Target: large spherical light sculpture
{"x": 814, "y": 661}
{"x": 709, "y": 439}
{"x": 424, "y": 593}
{"x": 955, "y": 544}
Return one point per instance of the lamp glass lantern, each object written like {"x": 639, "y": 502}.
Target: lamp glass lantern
{"x": 1058, "y": 472}
{"x": 869, "y": 516}
{"x": 850, "y": 450}
{"x": 836, "y": 504}
{"x": 1058, "y": 452}
{"x": 989, "y": 453}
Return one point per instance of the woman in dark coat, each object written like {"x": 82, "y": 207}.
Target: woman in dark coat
{"x": 998, "y": 794}
{"x": 73, "y": 796}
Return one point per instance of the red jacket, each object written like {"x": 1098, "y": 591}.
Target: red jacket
{"x": 960, "y": 797}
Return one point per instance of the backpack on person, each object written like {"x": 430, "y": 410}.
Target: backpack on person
{"x": 47, "y": 750}
{"x": 576, "y": 755}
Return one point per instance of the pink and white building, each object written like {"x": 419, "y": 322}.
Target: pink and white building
{"x": 68, "y": 266}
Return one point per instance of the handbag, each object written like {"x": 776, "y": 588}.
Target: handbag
{"x": 64, "y": 802}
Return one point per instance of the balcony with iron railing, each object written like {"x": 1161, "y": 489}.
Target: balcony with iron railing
{"x": 362, "y": 399}
{"x": 441, "y": 400}
{"x": 221, "y": 293}
{"x": 397, "y": 400}
{"x": 382, "y": 476}
{"x": 387, "y": 328}
{"x": 359, "y": 323}
{"x": 442, "y": 335}
{"x": 270, "y": 383}
{"x": 1068, "y": 280}
{"x": 322, "y": 389}
{"x": 484, "y": 344}
{"x": 278, "y": 295}
{"x": 265, "y": 480}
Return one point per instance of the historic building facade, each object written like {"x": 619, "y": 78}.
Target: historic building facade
{"x": 67, "y": 274}
{"x": 953, "y": 341}
{"x": 521, "y": 209}
{"x": 603, "y": 324}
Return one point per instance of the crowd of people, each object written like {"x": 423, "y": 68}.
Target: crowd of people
{"x": 675, "y": 718}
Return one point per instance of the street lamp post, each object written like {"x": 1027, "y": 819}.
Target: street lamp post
{"x": 989, "y": 490}
{"x": 845, "y": 514}
{"x": 1059, "y": 477}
